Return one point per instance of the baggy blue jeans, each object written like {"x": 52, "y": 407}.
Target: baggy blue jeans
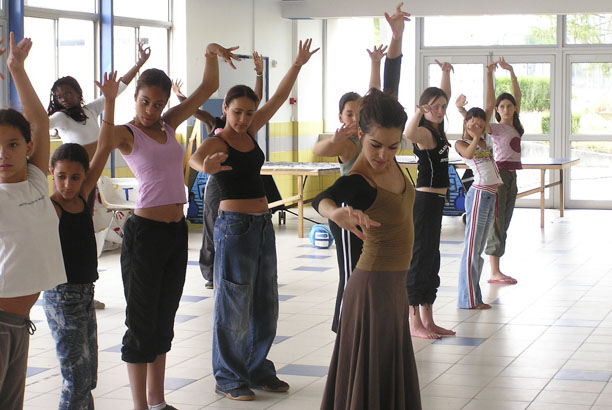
{"x": 72, "y": 319}
{"x": 246, "y": 299}
{"x": 480, "y": 208}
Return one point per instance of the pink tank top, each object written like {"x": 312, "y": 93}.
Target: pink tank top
{"x": 158, "y": 169}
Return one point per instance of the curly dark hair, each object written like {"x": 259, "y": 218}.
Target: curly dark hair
{"x": 76, "y": 112}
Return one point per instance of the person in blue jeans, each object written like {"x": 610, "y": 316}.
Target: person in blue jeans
{"x": 69, "y": 307}
{"x": 245, "y": 275}
{"x": 476, "y": 148}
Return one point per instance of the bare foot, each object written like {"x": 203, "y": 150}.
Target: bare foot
{"x": 482, "y": 306}
{"x": 440, "y": 330}
{"x": 423, "y": 333}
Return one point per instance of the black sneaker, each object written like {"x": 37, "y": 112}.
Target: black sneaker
{"x": 169, "y": 407}
{"x": 273, "y": 384}
{"x": 239, "y": 393}
{"x": 209, "y": 284}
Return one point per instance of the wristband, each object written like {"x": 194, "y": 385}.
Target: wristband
{"x": 106, "y": 122}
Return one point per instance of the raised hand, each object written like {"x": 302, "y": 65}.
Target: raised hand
{"x": 344, "y": 132}
{"x": 491, "y": 67}
{"x": 176, "y": 87}
{"x": 258, "y": 63}
{"x": 18, "y": 52}
{"x": 423, "y": 109}
{"x": 348, "y": 218}
{"x": 397, "y": 20}
{"x": 445, "y": 66}
{"x": 378, "y": 53}
{"x": 304, "y": 52}
{"x": 461, "y": 101}
{"x": 143, "y": 54}
{"x": 503, "y": 64}
{"x": 212, "y": 163}
{"x": 225, "y": 53}
{"x": 110, "y": 87}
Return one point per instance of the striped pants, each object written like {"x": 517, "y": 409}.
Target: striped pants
{"x": 480, "y": 208}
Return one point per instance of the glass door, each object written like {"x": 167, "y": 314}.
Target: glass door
{"x": 588, "y": 130}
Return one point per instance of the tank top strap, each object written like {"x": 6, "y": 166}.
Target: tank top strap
{"x": 58, "y": 204}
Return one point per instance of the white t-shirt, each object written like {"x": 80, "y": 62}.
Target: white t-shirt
{"x": 482, "y": 164}
{"x": 70, "y": 130}
{"x": 30, "y": 251}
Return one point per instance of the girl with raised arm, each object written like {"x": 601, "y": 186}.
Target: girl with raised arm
{"x": 373, "y": 365}
{"x": 69, "y": 307}
{"x": 477, "y": 150}
{"x": 246, "y": 289}
{"x": 426, "y": 132}
{"x": 346, "y": 146}
{"x": 154, "y": 251}
{"x": 211, "y": 193}
{"x": 30, "y": 251}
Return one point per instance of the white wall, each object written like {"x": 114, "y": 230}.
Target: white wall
{"x": 249, "y": 24}
{"x": 362, "y": 8}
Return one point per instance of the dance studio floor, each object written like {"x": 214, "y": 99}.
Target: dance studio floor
{"x": 545, "y": 344}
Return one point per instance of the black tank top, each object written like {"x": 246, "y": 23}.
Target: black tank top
{"x": 78, "y": 245}
{"x": 243, "y": 180}
{"x": 433, "y": 163}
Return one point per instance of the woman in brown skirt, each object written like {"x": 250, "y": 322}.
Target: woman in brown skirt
{"x": 373, "y": 364}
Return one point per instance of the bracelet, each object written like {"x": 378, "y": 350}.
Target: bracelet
{"x": 514, "y": 79}
{"x": 106, "y": 122}
{"x": 259, "y": 74}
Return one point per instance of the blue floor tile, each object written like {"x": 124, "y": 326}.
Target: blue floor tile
{"x": 314, "y": 256}
{"x": 35, "y": 370}
{"x": 452, "y": 242}
{"x": 279, "y": 339}
{"x": 282, "y": 298}
{"x": 460, "y": 341}
{"x": 113, "y": 349}
{"x": 175, "y": 383}
{"x": 183, "y": 318}
{"x": 190, "y": 298}
{"x": 584, "y": 375}
{"x": 193, "y": 263}
{"x": 39, "y": 302}
{"x": 311, "y": 268}
{"x": 303, "y": 370}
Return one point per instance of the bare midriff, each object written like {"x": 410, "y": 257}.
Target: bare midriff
{"x": 246, "y": 206}
{"x": 163, "y": 213}
{"x": 441, "y": 191}
{"x": 19, "y": 305}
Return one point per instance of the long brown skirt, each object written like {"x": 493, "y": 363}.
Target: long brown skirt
{"x": 373, "y": 364}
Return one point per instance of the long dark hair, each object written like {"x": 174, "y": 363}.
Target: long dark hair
{"x": 76, "y": 112}
{"x": 433, "y": 93}
{"x": 378, "y": 109}
{"x": 239, "y": 91}
{"x": 516, "y": 122}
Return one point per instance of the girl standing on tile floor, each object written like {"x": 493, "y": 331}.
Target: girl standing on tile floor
{"x": 31, "y": 255}
{"x": 373, "y": 364}
{"x": 69, "y": 307}
{"x": 154, "y": 251}
{"x": 245, "y": 276}
{"x": 480, "y": 202}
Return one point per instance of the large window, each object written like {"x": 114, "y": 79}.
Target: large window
{"x": 489, "y": 31}
{"x": 589, "y": 29}
{"x": 88, "y": 6}
{"x": 142, "y": 9}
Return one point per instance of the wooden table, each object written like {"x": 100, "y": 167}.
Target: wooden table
{"x": 301, "y": 170}
{"x": 543, "y": 164}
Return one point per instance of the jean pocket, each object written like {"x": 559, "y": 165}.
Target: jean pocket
{"x": 236, "y": 228}
{"x": 232, "y": 305}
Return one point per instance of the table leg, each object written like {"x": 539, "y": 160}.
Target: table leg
{"x": 561, "y": 193}
{"x": 300, "y": 180}
{"x": 542, "y": 196}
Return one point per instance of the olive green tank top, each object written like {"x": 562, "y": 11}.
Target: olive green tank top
{"x": 389, "y": 246}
